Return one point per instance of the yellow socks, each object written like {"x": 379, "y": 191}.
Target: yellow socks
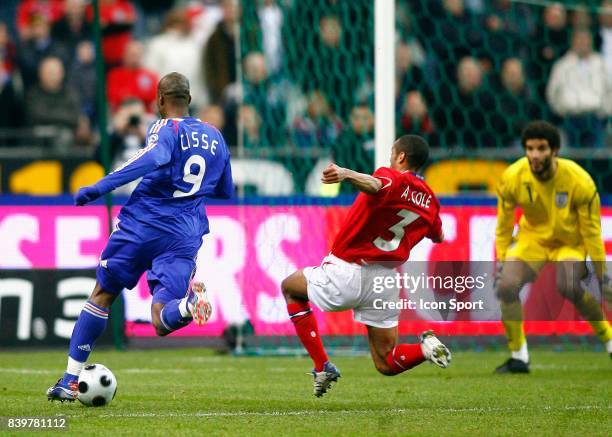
{"x": 512, "y": 318}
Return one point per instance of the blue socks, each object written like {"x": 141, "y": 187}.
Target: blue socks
{"x": 171, "y": 316}
{"x": 88, "y": 328}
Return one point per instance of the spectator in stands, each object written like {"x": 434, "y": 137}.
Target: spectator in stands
{"x": 176, "y": 49}
{"x": 271, "y": 19}
{"x": 318, "y": 126}
{"x": 82, "y": 76}
{"x": 11, "y": 106}
{"x": 51, "y": 102}
{"x": 250, "y": 120}
{"x": 332, "y": 69}
{"x": 50, "y": 10}
{"x": 516, "y": 101}
{"x": 580, "y": 91}
{"x": 267, "y": 95}
{"x": 415, "y": 119}
{"x": 117, "y": 18}
{"x": 40, "y": 45}
{"x": 214, "y": 115}
{"x": 550, "y": 42}
{"x": 132, "y": 80}
{"x": 128, "y": 135}
{"x": 510, "y": 17}
{"x": 335, "y": 60}
{"x": 581, "y": 18}
{"x": 605, "y": 33}
{"x": 220, "y": 53}
{"x": 8, "y": 52}
{"x": 354, "y": 147}
{"x": 73, "y": 27}
{"x": 507, "y": 30}
{"x": 464, "y": 112}
{"x": 409, "y": 76}
{"x": 454, "y": 32}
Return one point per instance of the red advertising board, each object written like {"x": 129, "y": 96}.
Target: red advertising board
{"x": 250, "y": 250}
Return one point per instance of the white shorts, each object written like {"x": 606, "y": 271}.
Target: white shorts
{"x": 337, "y": 285}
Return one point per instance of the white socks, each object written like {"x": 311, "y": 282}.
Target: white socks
{"x": 609, "y": 346}
{"x": 521, "y": 354}
{"x": 183, "y": 308}
{"x": 74, "y": 367}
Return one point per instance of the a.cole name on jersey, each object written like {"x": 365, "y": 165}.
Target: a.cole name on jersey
{"x": 417, "y": 197}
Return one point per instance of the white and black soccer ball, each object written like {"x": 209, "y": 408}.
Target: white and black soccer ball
{"x": 97, "y": 385}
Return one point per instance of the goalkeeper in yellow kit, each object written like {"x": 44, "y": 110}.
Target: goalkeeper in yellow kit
{"x": 561, "y": 223}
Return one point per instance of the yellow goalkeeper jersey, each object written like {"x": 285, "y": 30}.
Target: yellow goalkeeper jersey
{"x": 563, "y": 211}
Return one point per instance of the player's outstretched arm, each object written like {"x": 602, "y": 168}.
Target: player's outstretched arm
{"x": 147, "y": 160}
{"x": 366, "y": 183}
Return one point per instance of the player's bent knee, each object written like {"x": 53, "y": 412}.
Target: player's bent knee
{"x": 101, "y": 297}
{"x": 160, "y": 331}
{"x": 383, "y": 368}
{"x": 508, "y": 291}
{"x": 286, "y": 286}
{"x": 294, "y": 287}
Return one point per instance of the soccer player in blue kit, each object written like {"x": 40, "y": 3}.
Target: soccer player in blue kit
{"x": 160, "y": 228}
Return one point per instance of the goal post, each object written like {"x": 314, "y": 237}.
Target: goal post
{"x": 384, "y": 78}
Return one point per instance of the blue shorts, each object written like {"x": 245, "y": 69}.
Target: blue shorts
{"x": 133, "y": 250}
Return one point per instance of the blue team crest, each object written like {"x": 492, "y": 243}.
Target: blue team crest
{"x": 561, "y": 199}
{"x": 152, "y": 139}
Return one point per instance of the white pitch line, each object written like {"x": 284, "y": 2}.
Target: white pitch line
{"x": 132, "y": 370}
{"x": 26, "y": 371}
{"x": 347, "y": 412}
{"x": 150, "y": 371}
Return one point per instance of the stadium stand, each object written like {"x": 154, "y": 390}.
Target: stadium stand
{"x": 469, "y": 75}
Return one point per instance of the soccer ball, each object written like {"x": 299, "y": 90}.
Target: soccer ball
{"x": 97, "y": 386}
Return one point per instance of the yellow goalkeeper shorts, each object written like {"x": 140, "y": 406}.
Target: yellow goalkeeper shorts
{"x": 536, "y": 255}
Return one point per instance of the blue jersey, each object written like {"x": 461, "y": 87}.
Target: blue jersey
{"x": 183, "y": 162}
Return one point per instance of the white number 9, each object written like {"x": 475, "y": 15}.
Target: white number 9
{"x": 191, "y": 178}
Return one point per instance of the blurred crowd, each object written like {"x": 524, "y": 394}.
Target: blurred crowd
{"x": 277, "y": 74}
{"x": 474, "y": 72}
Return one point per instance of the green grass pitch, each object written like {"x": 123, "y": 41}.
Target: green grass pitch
{"x": 193, "y": 391}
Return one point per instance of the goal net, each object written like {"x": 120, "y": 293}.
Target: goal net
{"x": 468, "y": 76}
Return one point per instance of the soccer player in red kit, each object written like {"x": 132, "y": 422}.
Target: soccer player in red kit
{"x": 393, "y": 212}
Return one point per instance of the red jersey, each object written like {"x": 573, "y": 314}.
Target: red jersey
{"x": 138, "y": 83}
{"x": 51, "y": 10}
{"x": 117, "y": 18}
{"x": 385, "y": 226}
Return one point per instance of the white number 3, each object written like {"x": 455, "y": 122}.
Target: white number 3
{"x": 398, "y": 231}
{"x": 192, "y": 178}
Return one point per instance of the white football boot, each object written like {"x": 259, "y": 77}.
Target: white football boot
{"x": 434, "y": 350}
